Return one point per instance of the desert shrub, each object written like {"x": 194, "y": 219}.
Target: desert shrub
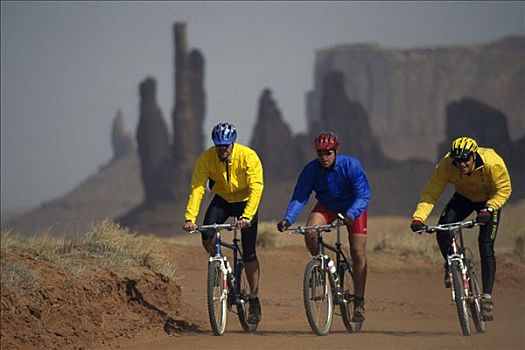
{"x": 106, "y": 245}
{"x": 118, "y": 246}
{"x": 403, "y": 245}
{"x": 14, "y": 275}
{"x": 10, "y": 242}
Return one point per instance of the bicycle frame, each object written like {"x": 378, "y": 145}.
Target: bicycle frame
{"x": 226, "y": 268}
{"x": 340, "y": 256}
{"x": 462, "y": 273}
{"x": 222, "y": 297}
{"x": 336, "y": 287}
{"x": 456, "y": 251}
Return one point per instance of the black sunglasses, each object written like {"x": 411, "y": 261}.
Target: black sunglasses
{"x": 321, "y": 152}
{"x": 459, "y": 160}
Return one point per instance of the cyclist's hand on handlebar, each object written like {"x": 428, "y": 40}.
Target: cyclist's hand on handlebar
{"x": 418, "y": 226}
{"x": 244, "y": 223}
{"x": 483, "y": 217}
{"x": 283, "y": 225}
{"x": 348, "y": 220}
{"x": 189, "y": 226}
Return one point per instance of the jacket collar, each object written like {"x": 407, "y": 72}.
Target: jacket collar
{"x": 479, "y": 162}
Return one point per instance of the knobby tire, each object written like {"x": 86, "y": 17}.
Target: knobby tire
{"x": 461, "y": 302}
{"x": 346, "y": 282}
{"x": 243, "y": 307}
{"x": 475, "y": 302}
{"x": 317, "y": 297}
{"x": 217, "y": 293}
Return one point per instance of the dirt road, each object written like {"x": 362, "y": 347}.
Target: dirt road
{"x": 407, "y": 307}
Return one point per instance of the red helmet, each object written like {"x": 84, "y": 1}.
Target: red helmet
{"x": 326, "y": 140}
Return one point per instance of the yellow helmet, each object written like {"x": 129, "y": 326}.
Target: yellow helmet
{"x": 462, "y": 148}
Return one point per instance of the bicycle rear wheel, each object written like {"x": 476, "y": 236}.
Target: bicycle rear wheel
{"x": 243, "y": 290}
{"x": 475, "y": 302}
{"x": 317, "y": 297}
{"x": 460, "y": 297}
{"x": 217, "y": 297}
{"x": 346, "y": 283}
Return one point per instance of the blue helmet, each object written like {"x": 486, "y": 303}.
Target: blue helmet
{"x": 223, "y": 134}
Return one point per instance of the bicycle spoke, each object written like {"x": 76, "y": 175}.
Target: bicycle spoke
{"x": 460, "y": 297}
{"x": 217, "y": 298}
{"x": 318, "y": 299}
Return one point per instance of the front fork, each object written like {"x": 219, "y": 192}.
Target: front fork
{"x": 463, "y": 268}
{"x": 226, "y": 271}
{"x": 333, "y": 279}
{"x": 229, "y": 278}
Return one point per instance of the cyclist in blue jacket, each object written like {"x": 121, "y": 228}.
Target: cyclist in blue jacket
{"x": 340, "y": 186}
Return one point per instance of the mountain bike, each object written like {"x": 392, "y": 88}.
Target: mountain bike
{"x": 466, "y": 290}
{"x": 326, "y": 283}
{"x": 226, "y": 286}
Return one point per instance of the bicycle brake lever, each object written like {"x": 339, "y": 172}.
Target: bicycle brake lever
{"x": 470, "y": 224}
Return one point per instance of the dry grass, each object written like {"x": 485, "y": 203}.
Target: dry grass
{"x": 106, "y": 245}
{"x": 268, "y": 237}
{"x": 16, "y": 276}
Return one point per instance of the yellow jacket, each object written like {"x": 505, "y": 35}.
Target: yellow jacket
{"x": 238, "y": 179}
{"x": 489, "y": 182}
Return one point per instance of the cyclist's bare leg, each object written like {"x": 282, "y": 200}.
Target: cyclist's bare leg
{"x": 310, "y": 239}
{"x": 358, "y": 253}
{"x": 253, "y": 273}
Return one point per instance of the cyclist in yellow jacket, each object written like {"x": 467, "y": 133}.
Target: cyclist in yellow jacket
{"x": 234, "y": 174}
{"x": 482, "y": 184}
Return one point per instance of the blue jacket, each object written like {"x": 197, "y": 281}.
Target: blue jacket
{"x": 343, "y": 188}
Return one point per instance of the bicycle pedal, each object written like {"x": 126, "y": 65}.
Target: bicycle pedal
{"x": 339, "y": 298}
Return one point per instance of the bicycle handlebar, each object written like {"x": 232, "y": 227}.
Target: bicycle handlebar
{"x": 450, "y": 227}
{"x": 216, "y": 227}
{"x": 318, "y": 228}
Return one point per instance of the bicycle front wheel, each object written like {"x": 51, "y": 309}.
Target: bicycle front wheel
{"x": 475, "y": 302}
{"x": 460, "y": 297}
{"x": 243, "y": 289}
{"x": 217, "y": 297}
{"x": 317, "y": 297}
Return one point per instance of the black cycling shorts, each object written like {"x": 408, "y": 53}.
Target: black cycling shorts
{"x": 219, "y": 211}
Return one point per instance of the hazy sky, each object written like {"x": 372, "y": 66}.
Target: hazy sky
{"x": 66, "y": 67}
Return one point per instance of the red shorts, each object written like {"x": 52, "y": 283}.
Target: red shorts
{"x": 358, "y": 227}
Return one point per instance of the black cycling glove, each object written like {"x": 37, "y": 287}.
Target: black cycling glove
{"x": 283, "y": 225}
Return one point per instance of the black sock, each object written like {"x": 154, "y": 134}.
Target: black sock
{"x": 359, "y": 299}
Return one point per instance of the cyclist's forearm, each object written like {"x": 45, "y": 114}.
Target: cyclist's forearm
{"x": 422, "y": 211}
{"x": 357, "y": 207}
{"x": 294, "y": 209}
{"x": 253, "y": 201}
{"x": 194, "y": 202}
{"x": 503, "y": 191}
